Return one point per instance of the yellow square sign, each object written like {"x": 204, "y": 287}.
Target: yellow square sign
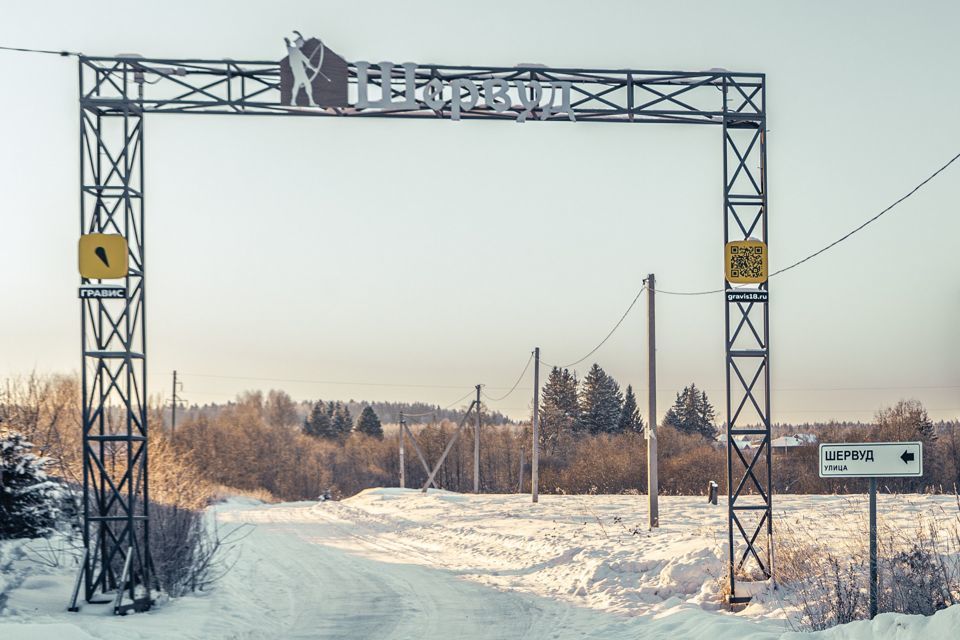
{"x": 745, "y": 262}
{"x": 103, "y": 256}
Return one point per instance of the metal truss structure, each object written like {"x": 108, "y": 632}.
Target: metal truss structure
{"x": 749, "y": 479}
{"x": 117, "y": 92}
{"x": 116, "y": 524}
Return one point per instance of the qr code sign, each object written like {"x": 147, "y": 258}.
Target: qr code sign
{"x": 746, "y": 262}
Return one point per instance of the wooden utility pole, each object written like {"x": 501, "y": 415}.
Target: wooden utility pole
{"x": 652, "y": 479}
{"x": 476, "y": 448}
{"x": 535, "y": 457}
{"x": 403, "y": 480}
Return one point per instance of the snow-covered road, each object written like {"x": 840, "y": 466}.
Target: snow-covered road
{"x": 382, "y": 589}
{"x": 397, "y": 564}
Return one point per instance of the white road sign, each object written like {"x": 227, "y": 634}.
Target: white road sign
{"x": 871, "y": 459}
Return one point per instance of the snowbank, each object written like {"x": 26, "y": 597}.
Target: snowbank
{"x": 944, "y": 625}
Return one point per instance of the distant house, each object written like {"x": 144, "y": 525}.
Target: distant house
{"x": 742, "y": 443}
{"x": 783, "y": 444}
{"x": 778, "y": 445}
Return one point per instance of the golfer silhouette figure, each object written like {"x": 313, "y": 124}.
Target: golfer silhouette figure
{"x": 304, "y": 73}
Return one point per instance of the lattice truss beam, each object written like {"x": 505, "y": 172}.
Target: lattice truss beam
{"x": 253, "y": 87}
{"x": 747, "y": 344}
{"x": 116, "y": 523}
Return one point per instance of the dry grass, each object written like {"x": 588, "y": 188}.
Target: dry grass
{"x": 221, "y": 493}
{"x": 826, "y": 582}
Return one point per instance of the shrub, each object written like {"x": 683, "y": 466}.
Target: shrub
{"x": 188, "y": 550}
{"x": 918, "y": 572}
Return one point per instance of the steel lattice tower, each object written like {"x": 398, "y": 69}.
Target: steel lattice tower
{"x": 116, "y": 524}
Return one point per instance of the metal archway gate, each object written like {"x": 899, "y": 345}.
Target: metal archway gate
{"x": 117, "y": 93}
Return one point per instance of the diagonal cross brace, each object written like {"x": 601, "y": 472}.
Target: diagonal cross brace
{"x": 453, "y": 440}
{"x": 416, "y": 447}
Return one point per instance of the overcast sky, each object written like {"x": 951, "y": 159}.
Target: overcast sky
{"x": 439, "y": 254}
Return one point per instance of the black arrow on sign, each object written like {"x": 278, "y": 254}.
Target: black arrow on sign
{"x": 907, "y": 457}
{"x": 102, "y": 254}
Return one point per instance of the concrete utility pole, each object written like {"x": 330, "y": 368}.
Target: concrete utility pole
{"x": 535, "y": 457}
{"x": 403, "y": 480}
{"x": 652, "y": 479}
{"x": 476, "y": 448}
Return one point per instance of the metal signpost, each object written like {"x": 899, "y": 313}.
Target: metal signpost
{"x": 872, "y": 460}
{"x": 119, "y": 93}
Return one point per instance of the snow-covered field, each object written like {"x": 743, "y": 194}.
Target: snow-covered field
{"x": 390, "y": 563}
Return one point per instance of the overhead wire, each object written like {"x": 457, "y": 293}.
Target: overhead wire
{"x": 887, "y": 209}
{"x": 846, "y": 236}
{"x": 515, "y": 384}
{"x": 330, "y": 382}
{"x": 430, "y": 413}
{"x": 842, "y": 238}
{"x": 689, "y": 293}
{"x": 607, "y": 337}
{"x": 48, "y": 51}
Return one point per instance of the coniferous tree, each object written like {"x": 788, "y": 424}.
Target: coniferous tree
{"x": 29, "y": 500}
{"x": 600, "y": 403}
{"x": 319, "y": 424}
{"x": 706, "y": 417}
{"x": 559, "y": 410}
{"x": 342, "y": 421}
{"x": 630, "y": 420}
{"x": 369, "y": 423}
{"x": 692, "y": 413}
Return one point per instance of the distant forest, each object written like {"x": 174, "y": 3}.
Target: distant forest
{"x": 592, "y": 440}
{"x": 388, "y": 412}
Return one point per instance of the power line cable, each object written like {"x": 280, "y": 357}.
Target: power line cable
{"x": 835, "y": 242}
{"x": 55, "y": 53}
{"x": 430, "y": 413}
{"x": 612, "y": 331}
{"x": 775, "y": 273}
{"x": 841, "y": 239}
{"x": 515, "y": 384}
{"x": 689, "y": 293}
{"x": 331, "y": 382}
